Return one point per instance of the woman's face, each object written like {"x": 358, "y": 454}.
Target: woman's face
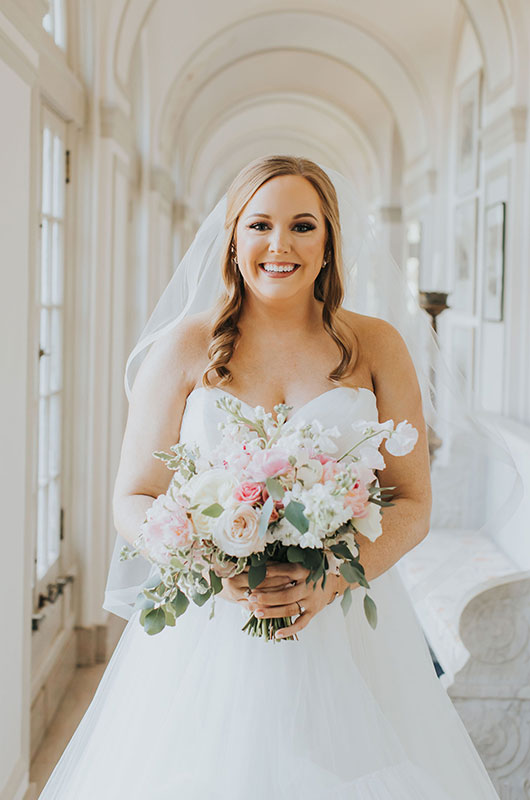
{"x": 280, "y": 238}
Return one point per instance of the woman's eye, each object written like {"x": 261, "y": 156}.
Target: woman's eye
{"x": 301, "y": 227}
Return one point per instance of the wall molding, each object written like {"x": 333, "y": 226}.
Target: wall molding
{"x": 507, "y": 130}
{"x": 162, "y": 182}
{"x": 116, "y": 125}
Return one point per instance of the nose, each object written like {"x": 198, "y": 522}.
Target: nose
{"x": 278, "y": 242}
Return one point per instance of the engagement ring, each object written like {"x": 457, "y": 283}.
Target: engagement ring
{"x": 300, "y": 606}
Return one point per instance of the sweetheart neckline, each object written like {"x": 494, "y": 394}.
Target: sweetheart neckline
{"x": 296, "y": 411}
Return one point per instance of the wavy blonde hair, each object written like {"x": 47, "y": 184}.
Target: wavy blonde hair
{"x": 328, "y": 287}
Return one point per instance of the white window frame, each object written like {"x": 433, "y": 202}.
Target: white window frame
{"x": 49, "y": 301}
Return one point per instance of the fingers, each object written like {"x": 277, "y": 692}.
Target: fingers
{"x": 288, "y": 610}
{"x": 293, "y": 571}
{"x": 279, "y": 597}
{"x": 298, "y": 625}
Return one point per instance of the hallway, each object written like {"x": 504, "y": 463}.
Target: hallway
{"x": 123, "y": 124}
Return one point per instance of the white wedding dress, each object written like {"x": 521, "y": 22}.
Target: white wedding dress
{"x": 203, "y": 710}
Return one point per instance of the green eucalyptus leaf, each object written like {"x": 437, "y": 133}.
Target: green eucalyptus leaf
{"x": 346, "y": 601}
{"x": 266, "y": 512}
{"x": 370, "y": 609}
{"x": 170, "y": 618}
{"x": 154, "y": 621}
{"x": 215, "y": 582}
{"x": 200, "y": 599}
{"x": 295, "y": 554}
{"x": 341, "y": 549}
{"x": 143, "y": 602}
{"x": 215, "y": 510}
{"x": 352, "y": 574}
{"x": 180, "y": 603}
{"x": 274, "y": 488}
{"x": 256, "y": 574}
{"x": 294, "y": 513}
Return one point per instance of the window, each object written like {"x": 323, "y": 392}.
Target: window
{"x": 50, "y": 313}
{"x": 54, "y": 22}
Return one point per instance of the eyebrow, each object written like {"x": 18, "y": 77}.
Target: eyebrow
{"x": 267, "y": 216}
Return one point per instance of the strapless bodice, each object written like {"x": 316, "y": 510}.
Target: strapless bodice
{"x": 337, "y": 407}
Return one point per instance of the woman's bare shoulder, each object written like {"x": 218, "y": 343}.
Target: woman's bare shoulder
{"x": 382, "y": 345}
{"x": 179, "y": 356}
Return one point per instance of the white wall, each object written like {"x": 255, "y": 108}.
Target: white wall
{"x": 15, "y": 591}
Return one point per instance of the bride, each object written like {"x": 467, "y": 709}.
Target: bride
{"x": 202, "y": 709}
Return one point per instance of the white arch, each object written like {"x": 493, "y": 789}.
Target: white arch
{"x": 489, "y": 21}
{"x": 313, "y": 126}
{"x": 310, "y": 33}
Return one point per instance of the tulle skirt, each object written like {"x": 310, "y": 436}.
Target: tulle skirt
{"x": 203, "y": 710}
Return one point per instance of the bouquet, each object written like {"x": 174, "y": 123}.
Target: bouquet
{"x": 271, "y": 490}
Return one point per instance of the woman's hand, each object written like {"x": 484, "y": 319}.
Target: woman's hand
{"x": 282, "y": 602}
{"x": 234, "y": 588}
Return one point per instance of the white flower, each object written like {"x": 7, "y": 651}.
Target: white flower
{"x": 213, "y": 486}
{"x": 235, "y": 532}
{"x": 402, "y": 440}
{"x": 370, "y": 526}
{"x": 310, "y": 473}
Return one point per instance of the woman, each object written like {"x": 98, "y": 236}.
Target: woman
{"x": 203, "y": 710}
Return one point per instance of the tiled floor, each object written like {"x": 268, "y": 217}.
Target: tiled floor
{"x": 70, "y": 712}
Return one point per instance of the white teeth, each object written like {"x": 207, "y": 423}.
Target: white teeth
{"x": 278, "y": 267}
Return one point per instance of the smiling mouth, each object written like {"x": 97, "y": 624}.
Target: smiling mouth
{"x": 273, "y": 268}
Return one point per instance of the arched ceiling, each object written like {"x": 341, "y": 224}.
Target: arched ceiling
{"x": 347, "y": 79}
{"x": 255, "y": 123}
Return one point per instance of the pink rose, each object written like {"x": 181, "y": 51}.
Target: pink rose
{"x": 268, "y": 463}
{"x": 248, "y": 492}
{"x": 323, "y": 458}
{"x": 357, "y": 500}
{"x": 330, "y": 468}
{"x": 167, "y": 527}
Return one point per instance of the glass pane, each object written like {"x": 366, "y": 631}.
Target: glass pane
{"x": 44, "y": 359}
{"x": 45, "y": 263}
{"x": 56, "y": 347}
{"x": 58, "y": 177}
{"x": 54, "y": 511}
{"x": 47, "y": 22}
{"x": 60, "y": 23}
{"x": 54, "y": 444}
{"x": 46, "y": 171}
{"x": 57, "y": 264}
{"x": 42, "y": 527}
{"x": 43, "y": 440}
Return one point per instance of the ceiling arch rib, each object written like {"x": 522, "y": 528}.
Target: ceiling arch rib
{"x": 338, "y": 141}
{"x": 311, "y": 34}
{"x": 133, "y": 18}
{"x": 488, "y": 18}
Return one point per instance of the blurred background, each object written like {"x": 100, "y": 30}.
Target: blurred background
{"x": 123, "y": 121}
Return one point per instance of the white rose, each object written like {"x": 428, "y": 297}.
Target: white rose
{"x": 236, "y": 531}
{"x": 310, "y": 473}
{"x": 402, "y": 440}
{"x": 212, "y": 486}
{"x": 370, "y": 526}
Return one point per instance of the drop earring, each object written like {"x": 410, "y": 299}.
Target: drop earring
{"x": 233, "y": 254}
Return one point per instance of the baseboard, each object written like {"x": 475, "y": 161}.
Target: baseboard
{"x": 83, "y": 647}
{"x": 91, "y": 645}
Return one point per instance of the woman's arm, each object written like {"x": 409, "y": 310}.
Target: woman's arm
{"x": 398, "y": 394}
{"x": 165, "y": 378}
